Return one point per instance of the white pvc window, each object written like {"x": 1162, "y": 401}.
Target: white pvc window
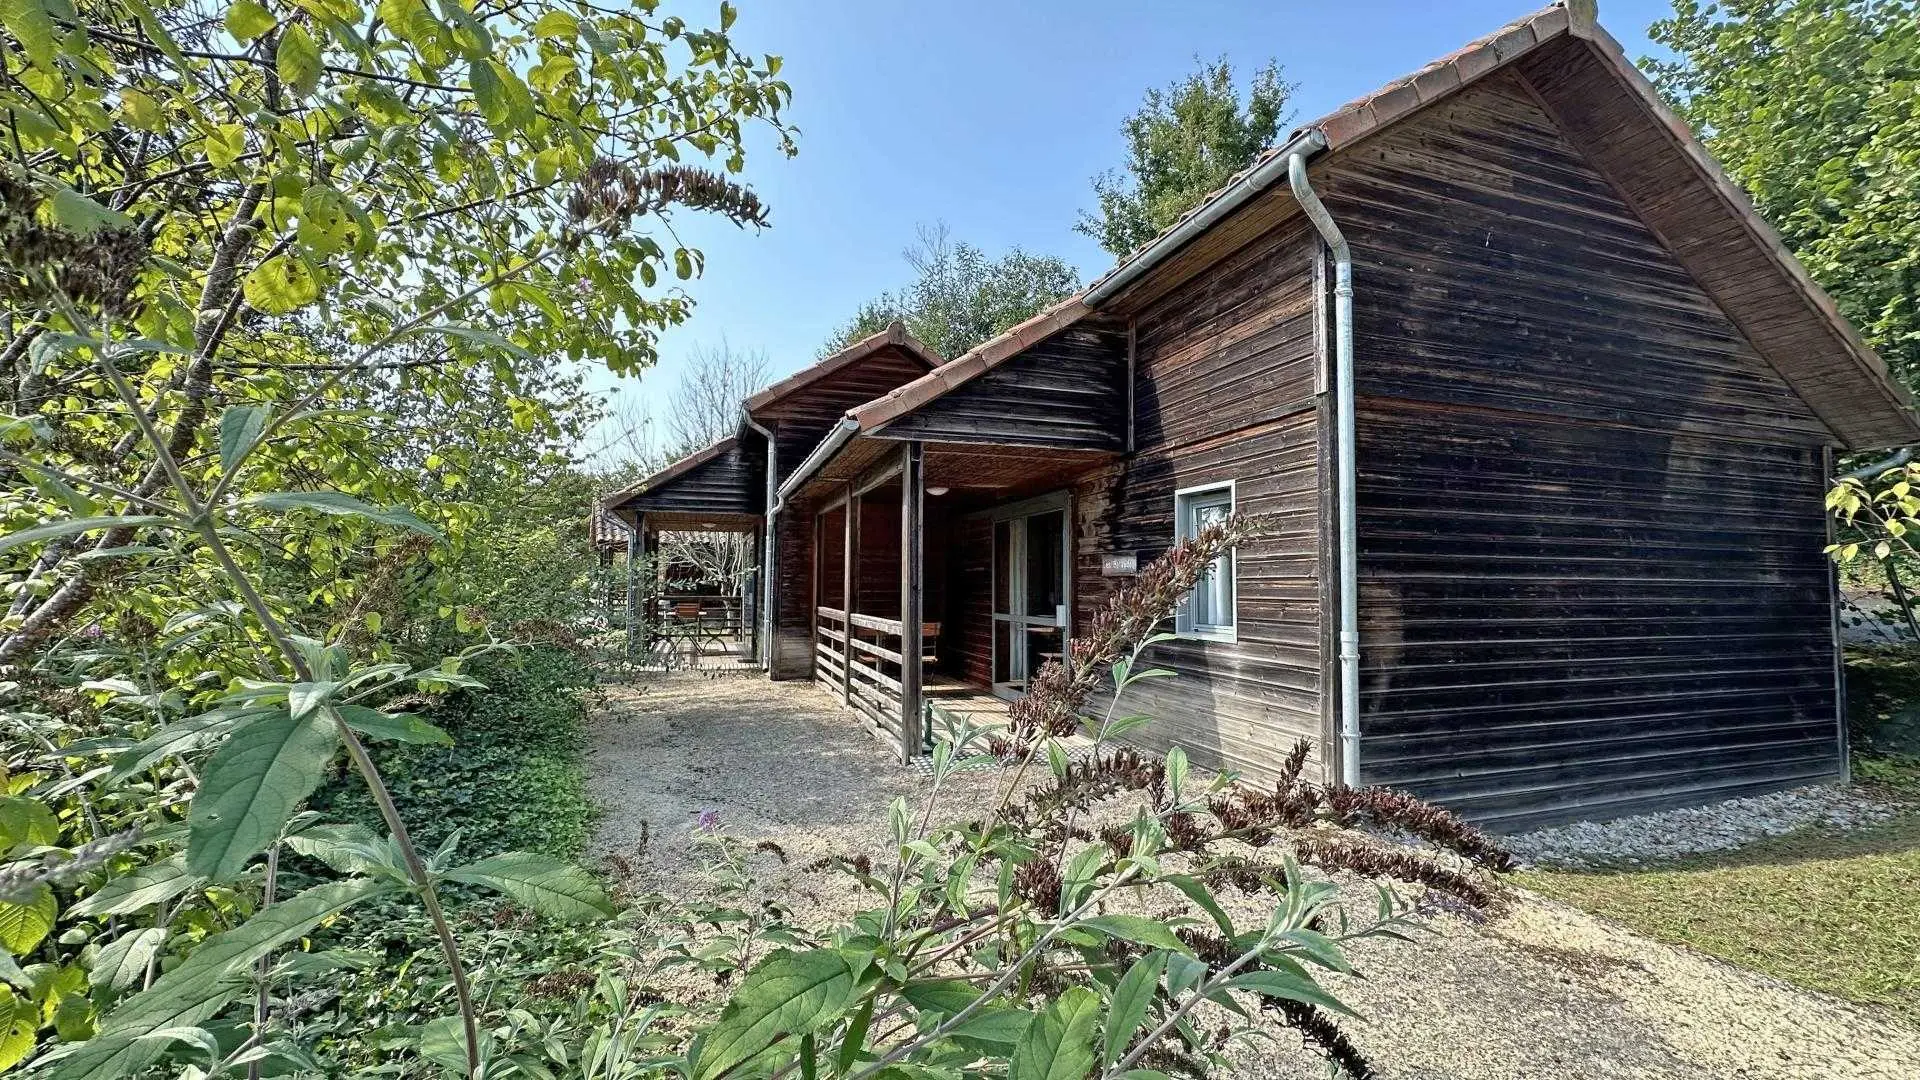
{"x": 1209, "y": 609}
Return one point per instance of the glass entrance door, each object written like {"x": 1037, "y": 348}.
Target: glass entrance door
{"x": 1029, "y": 596}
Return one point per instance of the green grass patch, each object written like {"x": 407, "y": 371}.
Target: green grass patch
{"x": 1837, "y": 912}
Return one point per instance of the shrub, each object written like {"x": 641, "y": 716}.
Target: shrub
{"x": 512, "y": 780}
{"x": 1883, "y": 699}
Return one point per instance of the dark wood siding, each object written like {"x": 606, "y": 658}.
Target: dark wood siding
{"x": 1591, "y": 578}
{"x": 1067, "y": 391}
{"x": 802, "y": 418}
{"x": 1224, "y": 389}
{"x": 966, "y": 639}
{"x": 793, "y": 593}
{"x": 732, "y": 483}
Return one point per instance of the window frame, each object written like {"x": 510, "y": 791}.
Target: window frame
{"x": 1184, "y": 504}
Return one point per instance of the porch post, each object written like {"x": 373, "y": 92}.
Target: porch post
{"x": 849, "y": 577}
{"x": 633, "y": 580}
{"x": 650, "y": 592}
{"x": 912, "y": 509}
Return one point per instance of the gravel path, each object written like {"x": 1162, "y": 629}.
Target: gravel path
{"x": 1544, "y": 991}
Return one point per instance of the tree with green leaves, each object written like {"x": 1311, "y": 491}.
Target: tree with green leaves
{"x": 1811, "y": 106}
{"x": 1184, "y": 141}
{"x": 265, "y": 263}
{"x": 960, "y": 296}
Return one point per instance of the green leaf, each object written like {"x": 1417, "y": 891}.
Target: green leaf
{"x": 488, "y": 94}
{"x": 393, "y": 727}
{"x": 155, "y": 883}
{"x": 304, "y": 697}
{"x": 1059, "y": 1045}
{"x": 557, "y": 25}
{"x": 1140, "y": 930}
{"x": 75, "y": 526}
{"x": 247, "y": 20}
{"x": 999, "y": 1027}
{"x": 124, "y": 961}
{"x": 82, "y": 215}
{"x": 855, "y": 1039}
{"x": 789, "y": 993}
{"x": 1131, "y": 1000}
{"x": 341, "y": 504}
{"x": 251, "y": 786}
{"x": 19, "y": 1019}
{"x": 349, "y": 849}
{"x": 945, "y": 996}
{"x": 1197, "y": 892}
{"x": 26, "y": 821}
{"x": 1289, "y": 986}
{"x": 1184, "y": 973}
{"x": 33, "y": 28}
{"x": 129, "y": 1037}
{"x": 180, "y": 737}
{"x": 554, "y": 888}
{"x": 477, "y": 336}
{"x": 328, "y": 223}
{"x": 282, "y": 284}
{"x": 24, "y": 923}
{"x": 443, "y": 1041}
{"x": 297, "y": 59}
{"x": 240, "y": 425}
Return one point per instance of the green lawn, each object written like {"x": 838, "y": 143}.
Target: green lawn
{"x": 1830, "y": 911}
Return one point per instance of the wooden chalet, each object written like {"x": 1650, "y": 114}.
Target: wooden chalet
{"x": 1543, "y": 408}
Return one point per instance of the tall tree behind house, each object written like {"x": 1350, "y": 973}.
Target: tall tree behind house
{"x": 960, "y": 296}
{"x": 1810, "y": 106}
{"x": 1184, "y": 141}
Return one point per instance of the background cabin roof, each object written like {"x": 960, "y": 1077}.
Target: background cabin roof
{"x": 1614, "y": 115}
{"x": 833, "y": 372}
{"x": 671, "y": 472}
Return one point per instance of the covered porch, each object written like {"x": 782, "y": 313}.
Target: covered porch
{"x": 941, "y": 575}
{"x": 927, "y": 544}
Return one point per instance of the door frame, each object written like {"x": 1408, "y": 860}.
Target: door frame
{"x": 1062, "y": 502}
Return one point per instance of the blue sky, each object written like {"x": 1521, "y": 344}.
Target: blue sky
{"x": 993, "y": 117}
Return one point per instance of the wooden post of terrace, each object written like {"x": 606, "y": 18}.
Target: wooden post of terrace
{"x": 850, "y": 584}
{"x": 912, "y": 542}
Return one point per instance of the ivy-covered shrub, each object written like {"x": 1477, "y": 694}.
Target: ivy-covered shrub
{"x": 512, "y": 779}
{"x": 1883, "y": 699}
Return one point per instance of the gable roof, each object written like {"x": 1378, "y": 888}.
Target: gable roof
{"x": 970, "y": 365}
{"x": 1610, "y": 110}
{"x": 677, "y": 469}
{"x": 894, "y": 335}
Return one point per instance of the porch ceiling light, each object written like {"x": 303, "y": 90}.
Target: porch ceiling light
{"x": 936, "y": 491}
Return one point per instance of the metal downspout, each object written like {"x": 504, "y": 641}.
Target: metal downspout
{"x": 766, "y": 543}
{"x": 1348, "y": 527}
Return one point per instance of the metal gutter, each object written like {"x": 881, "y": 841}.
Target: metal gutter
{"x": 1865, "y": 472}
{"x": 836, "y": 438}
{"x": 1348, "y": 523}
{"x": 1251, "y": 183}
{"x": 766, "y": 542}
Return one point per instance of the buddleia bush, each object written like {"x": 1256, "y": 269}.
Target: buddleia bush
{"x": 1082, "y": 926}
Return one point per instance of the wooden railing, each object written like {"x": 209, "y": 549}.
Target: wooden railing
{"x": 830, "y": 647}
{"x": 858, "y": 657}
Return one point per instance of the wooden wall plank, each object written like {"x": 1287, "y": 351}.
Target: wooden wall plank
{"x": 1591, "y": 578}
{"x": 1224, "y": 383}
